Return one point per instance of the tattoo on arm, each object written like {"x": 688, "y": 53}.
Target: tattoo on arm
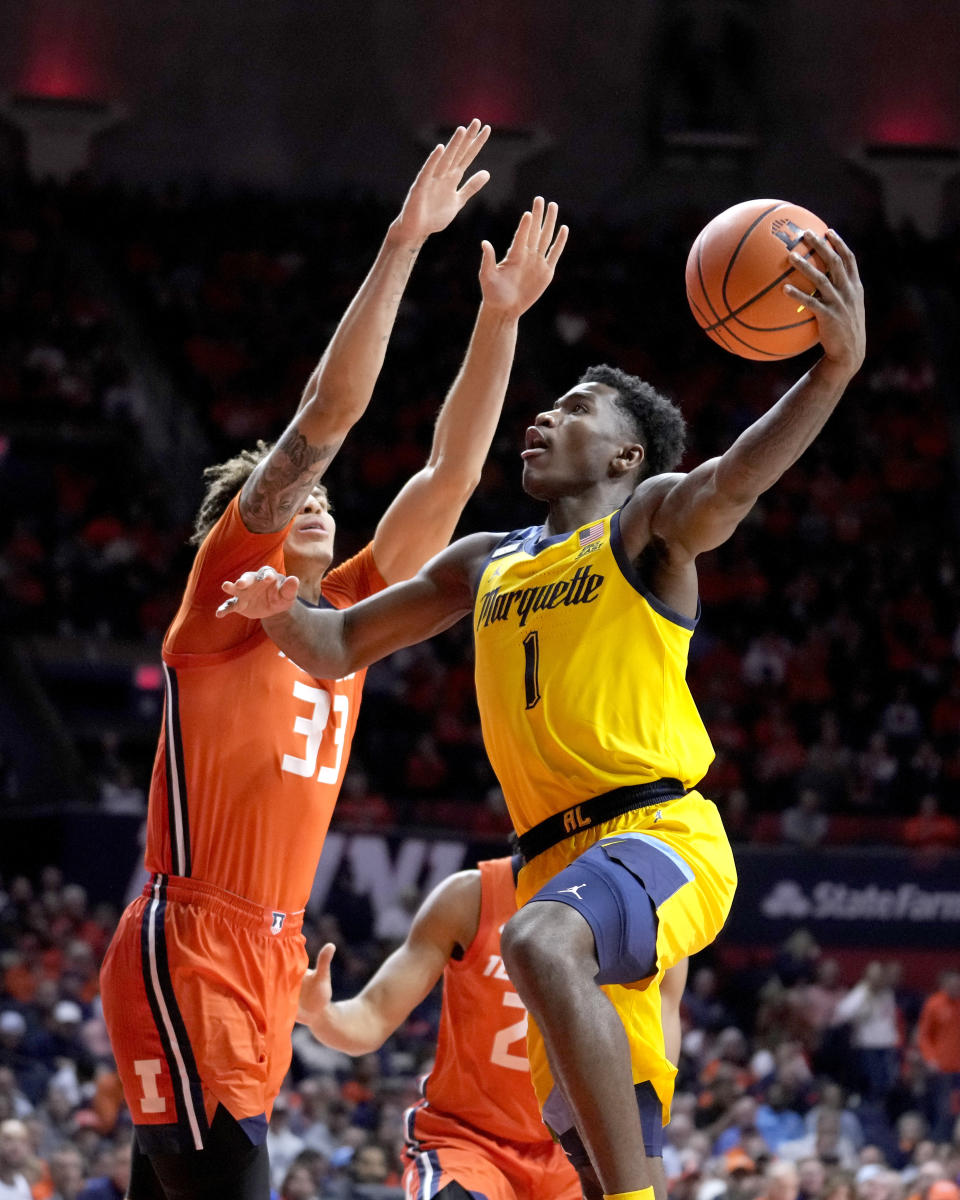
{"x": 282, "y": 482}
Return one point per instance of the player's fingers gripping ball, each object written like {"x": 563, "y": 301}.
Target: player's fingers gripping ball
{"x": 736, "y": 272}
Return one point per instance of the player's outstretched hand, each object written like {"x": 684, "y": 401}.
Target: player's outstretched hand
{"x": 436, "y": 195}
{"x": 838, "y": 302}
{"x": 316, "y": 991}
{"x": 525, "y": 271}
{"x": 259, "y": 594}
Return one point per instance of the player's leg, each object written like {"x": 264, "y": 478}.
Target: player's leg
{"x": 651, "y": 1120}
{"x": 229, "y": 1167}
{"x": 596, "y": 924}
{"x": 590, "y": 1185}
{"x": 144, "y": 1184}
{"x": 186, "y": 1051}
{"x": 554, "y": 959}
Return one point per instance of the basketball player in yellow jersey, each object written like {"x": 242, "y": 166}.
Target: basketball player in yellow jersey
{"x": 582, "y": 627}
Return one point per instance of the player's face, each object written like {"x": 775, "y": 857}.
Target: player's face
{"x": 309, "y": 543}
{"x": 569, "y": 448}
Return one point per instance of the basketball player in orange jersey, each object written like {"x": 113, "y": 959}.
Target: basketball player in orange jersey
{"x": 581, "y": 635}
{"x": 200, "y": 983}
{"x": 477, "y": 1131}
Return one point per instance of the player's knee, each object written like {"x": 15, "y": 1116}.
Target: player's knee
{"x": 541, "y": 940}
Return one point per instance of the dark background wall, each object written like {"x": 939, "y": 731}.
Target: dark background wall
{"x": 304, "y": 94}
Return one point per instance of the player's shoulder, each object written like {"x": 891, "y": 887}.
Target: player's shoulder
{"x": 479, "y": 545}
{"x": 465, "y": 559}
{"x": 645, "y": 501}
{"x": 652, "y": 490}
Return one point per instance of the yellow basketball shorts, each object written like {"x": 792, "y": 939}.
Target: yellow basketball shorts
{"x": 674, "y": 855}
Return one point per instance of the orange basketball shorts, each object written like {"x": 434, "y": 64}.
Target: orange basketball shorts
{"x": 440, "y": 1150}
{"x": 200, "y": 991}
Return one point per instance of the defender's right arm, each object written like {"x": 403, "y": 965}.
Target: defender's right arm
{"x": 339, "y": 390}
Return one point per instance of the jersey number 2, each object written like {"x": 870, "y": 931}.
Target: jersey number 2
{"x": 531, "y": 672}
{"x": 500, "y": 1055}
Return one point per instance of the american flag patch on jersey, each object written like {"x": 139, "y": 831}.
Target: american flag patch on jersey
{"x": 592, "y": 533}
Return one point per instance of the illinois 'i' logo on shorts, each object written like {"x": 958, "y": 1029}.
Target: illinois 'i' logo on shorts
{"x": 278, "y": 920}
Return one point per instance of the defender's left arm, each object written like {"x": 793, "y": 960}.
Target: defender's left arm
{"x": 701, "y": 509}
{"x": 421, "y": 519}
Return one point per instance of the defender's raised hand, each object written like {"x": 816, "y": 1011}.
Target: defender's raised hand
{"x": 837, "y": 304}
{"x": 436, "y": 195}
{"x": 257, "y": 595}
{"x": 522, "y": 276}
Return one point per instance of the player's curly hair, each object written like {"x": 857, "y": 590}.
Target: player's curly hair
{"x": 657, "y": 422}
{"x": 224, "y": 480}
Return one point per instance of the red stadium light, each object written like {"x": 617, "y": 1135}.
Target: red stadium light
{"x": 498, "y": 106}
{"x": 917, "y": 127}
{"x": 148, "y": 677}
{"x": 52, "y": 78}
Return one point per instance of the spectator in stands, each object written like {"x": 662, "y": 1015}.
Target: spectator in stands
{"x": 821, "y": 997}
{"x": 911, "y": 1130}
{"x": 812, "y": 1178}
{"x": 929, "y": 828}
{"x": 66, "y": 1173}
{"x": 14, "y": 1156}
{"x": 938, "y": 1040}
{"x": 877, "y": 772}
{"x": 833, "y": 1100}
{"x": 701, "y": 1004}
{"x": 31, "y": 1076}
{"x": 797, "y": 958}
{"x": 875, "y": 1182}
{"x": 741, "y": 1172}
{"x": 826, "y": 1142}
{"x": 740, "y": 1122}
{"x": 829, "y": 762}
{"x": 676, "y": 1142}
{"x": 901, "y": 723}
{"x": 804, "y": 823}
{"x": 114, "y": 1183}
{"x": 839, "y": 1186}
{"x": 781, "y": 1181}
{"x": 776, "y": 1120}
{"x": 369, "y": 1176}
{"x": 283, "y": 1144}
{"x": 298, "y": 1184}
{"x": 871, "y": 1011}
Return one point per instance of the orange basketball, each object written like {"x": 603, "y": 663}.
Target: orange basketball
{"x": 736, "y": 270}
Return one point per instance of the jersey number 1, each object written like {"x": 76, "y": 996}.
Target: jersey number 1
{"x": 531, "y": 673}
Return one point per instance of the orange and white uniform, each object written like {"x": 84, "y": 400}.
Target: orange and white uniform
{"x": 479, "y": 1123}
{"x": 201, "y": 980}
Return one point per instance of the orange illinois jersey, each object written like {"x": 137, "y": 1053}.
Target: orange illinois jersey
{"x": 253, "y": 749}
{"x": 481, "y": 1076}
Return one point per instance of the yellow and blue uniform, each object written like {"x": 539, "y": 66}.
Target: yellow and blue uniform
{"x": 580, "y": 675}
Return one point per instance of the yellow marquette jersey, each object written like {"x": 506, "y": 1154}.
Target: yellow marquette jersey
{"x": 580, "y": 673}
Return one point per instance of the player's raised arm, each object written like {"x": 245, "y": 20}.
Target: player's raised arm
{"x": 330, "y": 643}
{"x": 689, "y": 514}
{"x": 421, "y": 519}
{"x": 338, "y": 391}
{"x": 447, "y": 919}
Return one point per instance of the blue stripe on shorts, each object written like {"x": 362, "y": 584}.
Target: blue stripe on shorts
{"x": 616, "y": 886}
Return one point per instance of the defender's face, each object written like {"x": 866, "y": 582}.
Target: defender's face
{"x": 310, "y": 539}
{"x": 569, "y": 448}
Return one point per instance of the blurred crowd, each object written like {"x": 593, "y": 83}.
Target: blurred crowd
{"x": 795, "y": 1082}
{"x": 827, "y": 661}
